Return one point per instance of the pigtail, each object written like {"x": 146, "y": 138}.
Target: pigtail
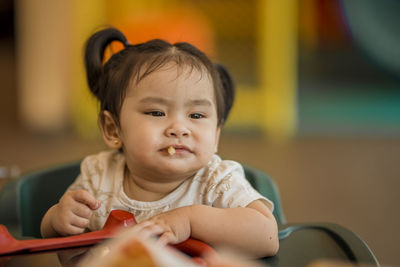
{"x": 94, "y": 55}
{"x": 228, "y": 87}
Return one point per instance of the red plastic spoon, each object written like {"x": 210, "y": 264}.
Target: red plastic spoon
{"x": 116, "y": 220}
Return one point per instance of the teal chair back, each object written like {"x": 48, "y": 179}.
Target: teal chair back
{"x": 267, "y": 187}
{"x": 24, "y": 201}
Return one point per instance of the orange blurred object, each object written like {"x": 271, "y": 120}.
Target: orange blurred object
{"x": 175, "y": 25}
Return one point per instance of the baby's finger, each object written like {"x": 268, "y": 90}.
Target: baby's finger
{"x": 166, "y": 238}
{"x": 81, "y": 210}
{"x": 86, "y": 198}
{"x": 74, "y": 230}
{"x": 148, "y": 229}
{"x": 80, "y": 222}
{"x": 143, "y": 225}
{"x": 155, "y": 229}
{"x": 68, "y": 229}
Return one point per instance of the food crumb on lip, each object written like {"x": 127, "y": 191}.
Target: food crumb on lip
{"x": 171, "y": 150}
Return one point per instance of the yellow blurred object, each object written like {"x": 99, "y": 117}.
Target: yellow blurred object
{"x": 272, "y": 104}
{"x": 246, "y": 109}
{"x": 89, "y": 16}
{"x": 278, "y": 72}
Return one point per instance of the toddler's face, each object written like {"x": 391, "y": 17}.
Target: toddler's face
{"x": 172, "y": 107}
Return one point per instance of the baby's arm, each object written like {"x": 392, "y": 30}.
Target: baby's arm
{"x": 70, "y": 216}
{"x": 251, "y": 230}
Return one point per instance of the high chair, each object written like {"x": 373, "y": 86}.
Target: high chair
{"x": 24, "y": 201}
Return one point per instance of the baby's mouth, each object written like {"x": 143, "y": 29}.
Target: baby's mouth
{"x": 177, "y": 149}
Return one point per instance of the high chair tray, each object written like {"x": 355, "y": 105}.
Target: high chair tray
{"x": 301, "y": 244}
{"x": 117, "y": 219}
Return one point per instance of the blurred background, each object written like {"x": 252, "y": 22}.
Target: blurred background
{"x": 317, "y": 106}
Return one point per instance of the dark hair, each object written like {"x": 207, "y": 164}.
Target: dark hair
{"x": 109, "y": 81}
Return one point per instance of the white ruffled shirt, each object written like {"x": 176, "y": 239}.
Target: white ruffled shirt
{"x": 220, "y": 184}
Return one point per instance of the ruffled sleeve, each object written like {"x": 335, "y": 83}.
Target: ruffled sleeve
{"x": 228, "y": 187}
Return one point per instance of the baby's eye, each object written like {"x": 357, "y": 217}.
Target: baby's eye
{"x": 155, "y": 113}
{"x": 196, "y": 116}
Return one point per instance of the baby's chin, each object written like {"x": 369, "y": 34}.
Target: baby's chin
{"x": 180, "y": 172}
{"x": 170, "y": 168}
{"x": 176, "y": 171}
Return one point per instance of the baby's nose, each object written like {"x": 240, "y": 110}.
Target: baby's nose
{"x": 177, "y": 130}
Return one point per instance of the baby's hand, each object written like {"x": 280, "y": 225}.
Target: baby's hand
{"x": 172, "y": 226}
{"x": 71, "y": 215}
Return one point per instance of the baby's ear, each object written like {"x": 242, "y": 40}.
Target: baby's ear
{"x": 228, "y": 87}
{"x": 110, "y": 130}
